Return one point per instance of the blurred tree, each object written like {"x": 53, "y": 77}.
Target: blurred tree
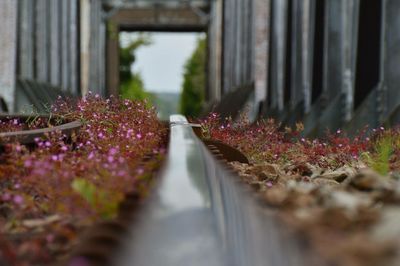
{"x": 194, "y": 80}
{"x": 131, "y": 84}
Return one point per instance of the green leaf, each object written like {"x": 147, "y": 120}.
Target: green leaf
{"x": 86, "y": 189}
{"x": 102, "y": 201}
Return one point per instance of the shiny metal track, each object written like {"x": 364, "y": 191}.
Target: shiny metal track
{"x": 199, "y": 215}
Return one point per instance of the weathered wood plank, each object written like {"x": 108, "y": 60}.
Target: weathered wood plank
{"x": 261, "y": 11}
{"x": 26, "y": 37}
{"x": 41, "y": 41}
{"x": 56, "y": 42}
{"x": 65, "y": 52}
{"x": 8, "y": 44}
{"x": 85, "y": 28}
{"x": 74, "y": 48}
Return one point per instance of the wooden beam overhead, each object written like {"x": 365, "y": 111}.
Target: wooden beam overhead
{"x": 162, "y": 19}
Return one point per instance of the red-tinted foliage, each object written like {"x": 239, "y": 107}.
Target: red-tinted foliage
{"x": 264, "y": 141}
{"x": 78, "y": 181}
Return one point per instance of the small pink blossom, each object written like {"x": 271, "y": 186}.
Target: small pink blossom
{"x": 18, "y": 199}
{"x": 28, "y": 163}
{"x": 79, "y": 261}
{"x": 140, "y": 171}
{"x": 91, "y": 155}
{"x": 113, "y": 151}
{"x": 6, "y": 197}
{"x": 50, "y": 238}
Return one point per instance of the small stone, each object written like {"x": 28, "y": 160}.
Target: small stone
{"x": 346, "y": 200}
{"x": 339, "y": 174}
{"x": 367, "y": 180}
{"x": 275, "y": 196}
{"x": 265, "y": 171}
{"x": 321, "y": 181}
{"x": 388, "y": 227}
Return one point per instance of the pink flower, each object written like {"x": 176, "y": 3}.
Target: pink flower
{"x": 121, "y": 173}
{"x": 28, "y": 163}
{"x": 6, "y": 197}
{"x": 79, "y": 261}
{"x": 140, "y": 171}
{"x": 113, "y": 151}
{"x": 18, "y": 199}
{"x": 50, "y": 238}
{"x": 91, "y": 155}
{"x": 138, "y": 136}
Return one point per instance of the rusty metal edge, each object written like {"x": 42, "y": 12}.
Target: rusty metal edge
{"x": 28, "y": 136}
{"x": 288, "y": 243}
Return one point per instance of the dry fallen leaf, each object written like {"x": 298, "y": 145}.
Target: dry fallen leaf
{"x": 32, "y": 223}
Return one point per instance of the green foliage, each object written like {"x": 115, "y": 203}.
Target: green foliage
{"x": 379, "y": 159}
{"x": 131, "y": 84}
{"x": 133, "y": 88}
{"x": 194, "y": 81}
{"x": 97, "y": 198}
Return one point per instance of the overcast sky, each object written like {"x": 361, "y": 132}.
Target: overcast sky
{"x": 161, "y": 63}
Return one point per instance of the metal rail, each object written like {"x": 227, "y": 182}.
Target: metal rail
{"x": 28, "y": 136}
{"x": 200, "y": 215}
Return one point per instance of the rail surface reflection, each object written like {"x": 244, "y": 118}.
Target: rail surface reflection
{"x": 199, "y": 215}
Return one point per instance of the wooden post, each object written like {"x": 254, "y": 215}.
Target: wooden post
{"x": 26, "y": 38}
{"x": 74, "y": 48}
{"x": 55, "y": 48}
{"x": 112, "y": 60}
{"x": 261, "y": 11}
{"x": 214, "y": 58}
{"x": 84, "y": 44}
{"x": 8, "y": 44}
{"x": 66, "y": 56}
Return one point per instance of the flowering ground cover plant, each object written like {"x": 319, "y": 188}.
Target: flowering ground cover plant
{"x": 342, "y": 194}
{"x": 51, "y": 193}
